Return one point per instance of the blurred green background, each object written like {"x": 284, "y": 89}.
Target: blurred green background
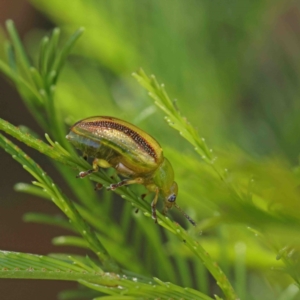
{"x": 233, "y": 66}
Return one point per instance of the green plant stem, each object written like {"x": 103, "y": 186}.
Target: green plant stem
{"x": 67, "y": 206}
{"x": 180, "y": 123}
{"x": 61, "y": 155}
{"x": 29, "y": 266}
{"x": 176, "y": 120}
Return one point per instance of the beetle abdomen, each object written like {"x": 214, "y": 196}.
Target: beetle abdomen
{"x": 134, "y": 146}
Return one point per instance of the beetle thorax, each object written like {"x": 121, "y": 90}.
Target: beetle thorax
{"x": 163, "y": 176}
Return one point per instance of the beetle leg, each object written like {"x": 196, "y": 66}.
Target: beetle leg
{"x": 88, "y": 172}
{"x": 153, "y": 205}
{"x": 113, "y": 186}
{"x": 143, "y": 198}
{"x": 98, "y": 186}
{"x": 165, "y": 210}
{"x": 85, "y": 173}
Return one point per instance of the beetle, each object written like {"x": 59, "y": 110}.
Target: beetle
{"x": 133, "y": 153}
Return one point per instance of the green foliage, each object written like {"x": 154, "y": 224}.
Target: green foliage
{"x": 248, "y": 205}
{"x": 110, "y": 259}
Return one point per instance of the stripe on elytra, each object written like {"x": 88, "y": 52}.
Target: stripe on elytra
{"x": 138, "y": 139}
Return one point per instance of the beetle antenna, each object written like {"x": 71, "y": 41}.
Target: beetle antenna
{"x": 186, "y": 215}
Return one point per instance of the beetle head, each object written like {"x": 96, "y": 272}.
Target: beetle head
{"x": 171, "y": 201}
{"x": 171, "y": 195}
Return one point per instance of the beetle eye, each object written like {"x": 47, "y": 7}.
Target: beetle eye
{"x": 172, "y": 198}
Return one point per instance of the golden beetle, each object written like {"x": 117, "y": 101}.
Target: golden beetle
{"x": 133, "y": 153}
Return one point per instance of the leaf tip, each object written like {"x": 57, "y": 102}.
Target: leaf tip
{"x": 9, "y": 23}
{"x": 81, "y": 30}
